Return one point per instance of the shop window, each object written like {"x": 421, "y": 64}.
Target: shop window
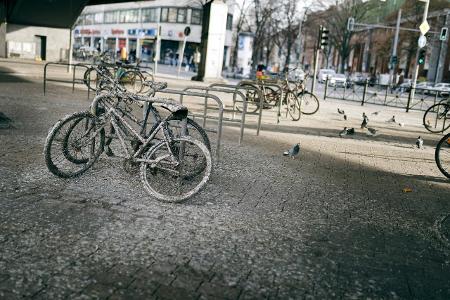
{"x": 229, "y": 22}
{"x": 129, "y": 16}
{"x": 196, "y": 17}
{"x": 98, "y": 18}
{"x": 111, "y": 17}
{"x": 173, "y": 15}
{"x": 150, "y": 15}
{"x": 89, "y": 19}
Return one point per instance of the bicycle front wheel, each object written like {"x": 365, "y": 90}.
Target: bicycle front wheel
{"x": 175, "y": 179}
{"x": 442, "y": 155}
{"x": 293, "y": 106}
{"x": 73, "y": 145}
{"x": 437, "y": 118}
{"x": 309, "y": 103}
{"x": 132, "y": 81}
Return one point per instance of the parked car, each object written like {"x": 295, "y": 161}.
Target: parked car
{"x": 338, "y": 80}
{"x": 443, "y": 89}
{"x": 358, "y": 78}
{"x": 405, "y": 86}
{"x": 324, "y": 74}
{"x": 424, "y": 87}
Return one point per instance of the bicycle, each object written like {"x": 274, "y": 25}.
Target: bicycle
{"x": 442, "y": 155}
{"x": 74, "y": 144}
{"x": 129, "y": 76}
{"x": 436, "y": 118}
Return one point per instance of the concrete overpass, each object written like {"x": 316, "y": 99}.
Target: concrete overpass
{"x": 63, "y": 14}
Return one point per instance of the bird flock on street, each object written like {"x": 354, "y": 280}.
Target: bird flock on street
{"x": 294, "y": 151}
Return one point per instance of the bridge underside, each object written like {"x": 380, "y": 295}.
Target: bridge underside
{"x": 48, "y": 13}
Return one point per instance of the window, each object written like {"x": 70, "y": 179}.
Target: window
{"x": 229, "y": 22}
{"x": 111, "y": 17}
{"x": 181, "y": 15}
{"x": 173, "y": 15}
{"x": 196, "y": 16}
{"x": 88, "y": 19}
{"x": 80, "y": 20}
{"x": 129, "y": 16}
{"x": 98, "y": 18}
{"x": 150, "y": 15}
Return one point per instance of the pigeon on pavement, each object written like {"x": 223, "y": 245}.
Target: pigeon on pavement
{"x": 419, "y": 143}
{"x": 365, "y": 121}
{"x": 341, "y": 112}
{"x": 372, "y": 131}
{"x": 345, "y": 117}
{"x": 392, "y": 120}
{"x": 350, "y": 131}
{"x": 293, "y": 152}
{"x": 343, "y": 132}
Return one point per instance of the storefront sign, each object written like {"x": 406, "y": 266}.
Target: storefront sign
{"x": 142, "y": 32}
{"x": 117, "y": 31}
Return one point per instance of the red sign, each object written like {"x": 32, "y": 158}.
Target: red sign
{"x": 85, "y": 31}
{"x": 117, "y": 31}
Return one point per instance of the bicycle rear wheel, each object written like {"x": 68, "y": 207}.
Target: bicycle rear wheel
{"x": 437, "y": 118}
{"x": 176, "y": 180}
{"x": 309, "y": 103}
{"x": 252, "y": 98}
{"x": 132, "y": 81}
{"x": 73, "y": 145}
{"x": 442, "y": 155}
{"x": 293, "y": 106}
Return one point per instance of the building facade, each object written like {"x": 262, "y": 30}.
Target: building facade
{"x": 134, "y": 26}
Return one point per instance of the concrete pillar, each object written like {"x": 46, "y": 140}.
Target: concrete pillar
{"x": 3, "y": 40}
{"x": 213, "y": 40}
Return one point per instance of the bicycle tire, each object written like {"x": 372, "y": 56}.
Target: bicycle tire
{"x": 293, "y": 106}
{"x": 308, "y": 100}
{"x": 196, "y": 132}
{"x": 271, "y": 96}
{"x": 62, "y": 168}
{"x": 132, "y": 81}
{"x": 444, "y": 167}
{"x": 160, "y": 164}
{"x": 251, "y": 96}
{"x": 428, "y": 119}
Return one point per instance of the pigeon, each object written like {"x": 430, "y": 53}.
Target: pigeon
{"x": 401, "y": 124}
{"x": 392, "y": 120}
{"x": 293, "y": 152}
{"x": 341, "y": 112}
{"x": 347, "y": 131}
{"x": 419, "y": 143}
{"x": 345, "y": 117}
{"x": 375, "y": 113}
{"x": 365, "y": 121}
{"x": 372, "y": 131}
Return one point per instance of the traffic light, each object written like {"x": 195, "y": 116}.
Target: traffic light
{"x": 323, "y": 37}
{"x": 444, "y": 34}
{"x": 421, "y": 59}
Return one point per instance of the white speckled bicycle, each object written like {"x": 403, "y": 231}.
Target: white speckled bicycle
{"x": 173, "y": 168}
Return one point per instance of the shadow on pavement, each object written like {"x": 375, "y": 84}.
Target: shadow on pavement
{"x": 7, "y": 75}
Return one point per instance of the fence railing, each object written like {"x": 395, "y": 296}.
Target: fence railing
{"x": 386, "y": 95}
{"x": 74, "y": 79}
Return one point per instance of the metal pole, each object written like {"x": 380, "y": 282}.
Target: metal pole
{"x": 70, "y": 52}
{"x": 394, "y": 48}
{"x": 158, "y": 49}
{"x": 181, "y": 56}
{"x": 316, "y": 63}
{"x": 416, "y": 71}
{"x": 439, "y": 55}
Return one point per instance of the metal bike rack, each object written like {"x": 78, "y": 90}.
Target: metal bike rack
{"x": 206, "y": 96}
{"x": 240, "y": 87}
{"x": 227, "y": 91}
{"x": 74, "y": 79}
{"x": 268, "y": 83}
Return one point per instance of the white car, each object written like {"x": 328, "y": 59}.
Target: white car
{"x": 443, "y": 89}
{"x": 424, "y": 87}
{"x": 324, "y": 74}
{"x": 339, "y": 80}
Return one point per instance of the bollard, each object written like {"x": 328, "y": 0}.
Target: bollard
{"x": 366, "y": 83}
{"x": 409, "y": 98}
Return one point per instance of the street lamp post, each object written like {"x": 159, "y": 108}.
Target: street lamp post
{"x": 416, "y": 69}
